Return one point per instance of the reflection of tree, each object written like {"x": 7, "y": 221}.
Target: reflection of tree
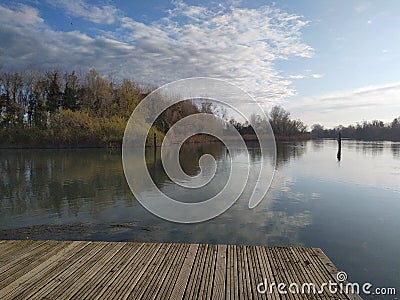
{"x": 55, "y": 180}
{"x": 190, "y": 154}
{"x": 284, "y": 152}
{"x": 317, "y": 145}
{"x": 76, "y": 183}
{"x": 287, "y": 151}
{"x": 374, "y": 148}
{"x": 254, "y": 151}
{"x": 395, "y": 147}
{"x": 154, "y": 166}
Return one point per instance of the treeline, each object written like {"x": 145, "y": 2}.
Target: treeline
{"x": 55, "y": 108}
{"x": 282, "y": 125}
{"x": 70, "y": 109}
{"x": 373, "y": 131}
{"x": 76, "y": 109}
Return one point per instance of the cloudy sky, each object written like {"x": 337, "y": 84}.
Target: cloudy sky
{"x": 326, "y": 62}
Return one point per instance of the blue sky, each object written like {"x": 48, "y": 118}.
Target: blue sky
{"x": 326, "y": 62}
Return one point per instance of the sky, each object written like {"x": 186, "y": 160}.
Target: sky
{"x": 327, "y": 62}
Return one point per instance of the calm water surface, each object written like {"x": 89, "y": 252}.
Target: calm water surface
{"x": 350, "y": 209}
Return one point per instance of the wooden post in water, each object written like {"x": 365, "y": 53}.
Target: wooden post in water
{"x": 339, "y": 140}
{"x": 155, "y": 146}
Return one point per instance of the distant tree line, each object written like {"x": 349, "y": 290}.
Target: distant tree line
{"x": 373, "y": 131}
{"x": 279, "y": 119}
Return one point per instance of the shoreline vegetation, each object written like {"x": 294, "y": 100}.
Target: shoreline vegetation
{"x": 55, "y": 109}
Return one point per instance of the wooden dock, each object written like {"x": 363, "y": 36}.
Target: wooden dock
{"x": 111, "y": 270}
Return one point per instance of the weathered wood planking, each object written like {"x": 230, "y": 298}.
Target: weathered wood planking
{"x": 111, "y": 270}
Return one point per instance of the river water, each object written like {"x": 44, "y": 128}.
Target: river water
{"x": 349, "y": 208}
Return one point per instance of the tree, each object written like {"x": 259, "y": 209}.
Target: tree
{"x": 12, "y": 99}
{"x": 98, "y": 95}
{"x": 395, "y": 123}
{"x": 279, "y": 120}
{"x": 53, "y": 99}
{"x": 70, "y": 94}
{"x": 206, "y": 107}
{"x": 126, "y": 99}
{"x": 38, "y": 103}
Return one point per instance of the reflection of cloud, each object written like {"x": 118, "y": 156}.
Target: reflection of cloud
{"x": 68, "y": 187}
{"x": 285, "y": 184}
{"x": 236, "y": 44}
{"x": 315, "y": 196}
{"x": 285, "y": 223}
{"x": 296, "y": 195}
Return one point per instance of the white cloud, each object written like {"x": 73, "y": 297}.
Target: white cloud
{"x": 317, "y": 76}
{"x": 305, "y": 75}
{"x": 362, "y": 7}
{"x": 298, "y": 76}
{"x": 236, "y": 44}
{"x": 21, "y": 15}
{"x": 79, "y": 8}
{"x": 367, "y": 103}
{"x": 240, "y": 45}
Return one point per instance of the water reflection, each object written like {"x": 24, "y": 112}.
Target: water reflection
{"x": 395, "y": 147}
{"x": 351, "y": 210}
{"x": 55, "y": 180}
{"x": 69, "y": 182}
{"x": 88, "y": 186}
{"x": 367, "y": 148}
{"x": 317, "y": 145}
{"x": 289, "y": 151}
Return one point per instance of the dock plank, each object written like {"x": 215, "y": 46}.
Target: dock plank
{"x": 129, "y": 270}
{"x": 38, "y": 275}
{"x": 183, "y": 277}
{"x": 279, "y": 270}
{"x": 171, "y": 278}
{"x": 220, "y": 274}
{"x": 99, "y": 284}
{"x": 196, "y": 274}
{"x": 208, "y": 273}
{"x": 131, "y": 274}
{"x": 149, "y": 279}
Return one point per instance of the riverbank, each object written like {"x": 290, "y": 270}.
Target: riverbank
{"x": 70, "y": 231}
